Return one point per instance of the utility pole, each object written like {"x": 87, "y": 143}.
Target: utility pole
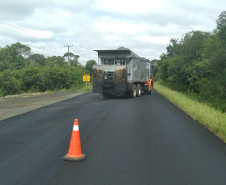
{"x": 68, "y": 54}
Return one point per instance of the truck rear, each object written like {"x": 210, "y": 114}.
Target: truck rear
{"x": 121, "y": 72}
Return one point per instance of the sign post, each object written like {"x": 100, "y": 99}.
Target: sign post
{"x": 86, "y": 78}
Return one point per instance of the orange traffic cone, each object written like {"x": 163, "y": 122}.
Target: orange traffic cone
{"x": 74, "y": 152}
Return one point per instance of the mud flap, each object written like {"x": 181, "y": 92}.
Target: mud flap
{"x": 97, "y": 81}
{"x": 120, "y": 82}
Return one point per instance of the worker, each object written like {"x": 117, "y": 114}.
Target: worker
{"x": 151, "y": 76}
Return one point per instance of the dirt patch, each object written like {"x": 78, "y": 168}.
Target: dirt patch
{"x": 18, "y": 104}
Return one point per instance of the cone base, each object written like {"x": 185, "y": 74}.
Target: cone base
{"x": 66, "y": 158}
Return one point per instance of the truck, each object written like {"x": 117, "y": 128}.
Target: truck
{"x": 121, "y": 72}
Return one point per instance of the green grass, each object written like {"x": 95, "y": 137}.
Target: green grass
{"x": 81, "y": 88}
{"x": 213, "y": 119}
{"x": 48, "y": 92}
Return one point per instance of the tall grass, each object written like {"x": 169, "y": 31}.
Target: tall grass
{"x": 82, "y": 88}
{"x": 213, "y": 119}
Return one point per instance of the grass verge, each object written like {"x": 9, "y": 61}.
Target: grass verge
{"x": 213, "y": 119}
{"x": 81, "y": 88}
{"x": 84, "y": 88}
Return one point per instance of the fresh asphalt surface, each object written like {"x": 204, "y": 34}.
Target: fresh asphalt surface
{"x": 145, "y": 140}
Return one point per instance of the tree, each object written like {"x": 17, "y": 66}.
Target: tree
{"x": 21, "y": 49}
{"x": 71, "y": 55}
{"x": 38, "y": 58}
{"x": 173, "y": 48}
{"x": 60, "y": 77}
{"x": 154, "y": 62}
{"x": 73, "y": 59}
{"x": 9, "y": 84}
{"x": 15, "y": 56}
{"x": 89, "y": 66}
{"x": 180, "y": 66}
{"x": 49, "y": 63}
{"x": 56, "y": 60}
{"x": 221, "y": 26}
{"x": 75, "y": 63}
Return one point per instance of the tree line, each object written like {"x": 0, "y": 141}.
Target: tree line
{"x": 196, "y": 65}
{"x": 23, "y": 71}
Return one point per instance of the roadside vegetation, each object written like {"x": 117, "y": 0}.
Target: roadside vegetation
{"x": 21, "y": 71}
{"x": 81, "y": 88}
{"x": 192, "y": 74}
{"x": 196, "y": 65}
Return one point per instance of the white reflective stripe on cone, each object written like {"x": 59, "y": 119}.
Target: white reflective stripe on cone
{"x": 75, "y": 128}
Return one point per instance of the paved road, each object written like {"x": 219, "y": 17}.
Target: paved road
{"x": 144, "y": 140}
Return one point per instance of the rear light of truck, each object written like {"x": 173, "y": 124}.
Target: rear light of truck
{"x": 123, "y": 73}
{"x": 94, "y": 72}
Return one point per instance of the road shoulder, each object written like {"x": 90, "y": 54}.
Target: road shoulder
{"x": 18, "y": 104}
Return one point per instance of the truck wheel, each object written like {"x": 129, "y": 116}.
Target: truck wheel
{"x": 133, "y": 93}
{"x": 138, "y": 90}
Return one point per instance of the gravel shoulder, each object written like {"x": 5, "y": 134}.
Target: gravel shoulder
{"x": 18, "y": 104}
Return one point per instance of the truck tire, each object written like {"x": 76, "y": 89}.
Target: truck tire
{"x": 133, "y": 93}
{"x": 138, "y": 90}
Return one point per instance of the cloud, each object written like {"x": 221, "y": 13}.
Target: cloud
{"x": 130, "y": 7}
{"x": 144, "y": 26}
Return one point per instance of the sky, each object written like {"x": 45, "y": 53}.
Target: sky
{"x": 144, "y": 26}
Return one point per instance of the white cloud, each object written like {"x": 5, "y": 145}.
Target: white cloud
{"x": 145, "y": 26}
{"x": 107, "y": 24}
{"x": 130, "y": 7}
{"x": 154, "y": 40}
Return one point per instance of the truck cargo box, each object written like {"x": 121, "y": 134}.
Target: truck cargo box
{"x": 118, "y": 70}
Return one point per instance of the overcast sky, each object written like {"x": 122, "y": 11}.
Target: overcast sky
{"x": 144, "y": 26}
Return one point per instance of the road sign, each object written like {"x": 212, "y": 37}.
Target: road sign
{"x": 86, "y": 78}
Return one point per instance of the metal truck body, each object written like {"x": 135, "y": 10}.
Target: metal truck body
{"x": 121, "y": 72}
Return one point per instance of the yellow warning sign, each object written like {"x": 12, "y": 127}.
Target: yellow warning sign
{"x": 86, "y": 78}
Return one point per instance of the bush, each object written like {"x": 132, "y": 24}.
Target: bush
{"x": 9, "y": 84}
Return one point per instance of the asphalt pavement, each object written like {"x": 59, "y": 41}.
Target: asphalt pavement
{"x": 145, "y": 140}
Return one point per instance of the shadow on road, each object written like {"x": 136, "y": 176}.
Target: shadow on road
{"x": 125, "y": 96}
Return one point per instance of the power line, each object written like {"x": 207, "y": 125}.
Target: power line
{"x": 79, "y": 52}
{"x": 28, "y": 33}
{"x": 39, "y": 51}
{"x": 22, "y": 31}
{"x": 33, "y": 49}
